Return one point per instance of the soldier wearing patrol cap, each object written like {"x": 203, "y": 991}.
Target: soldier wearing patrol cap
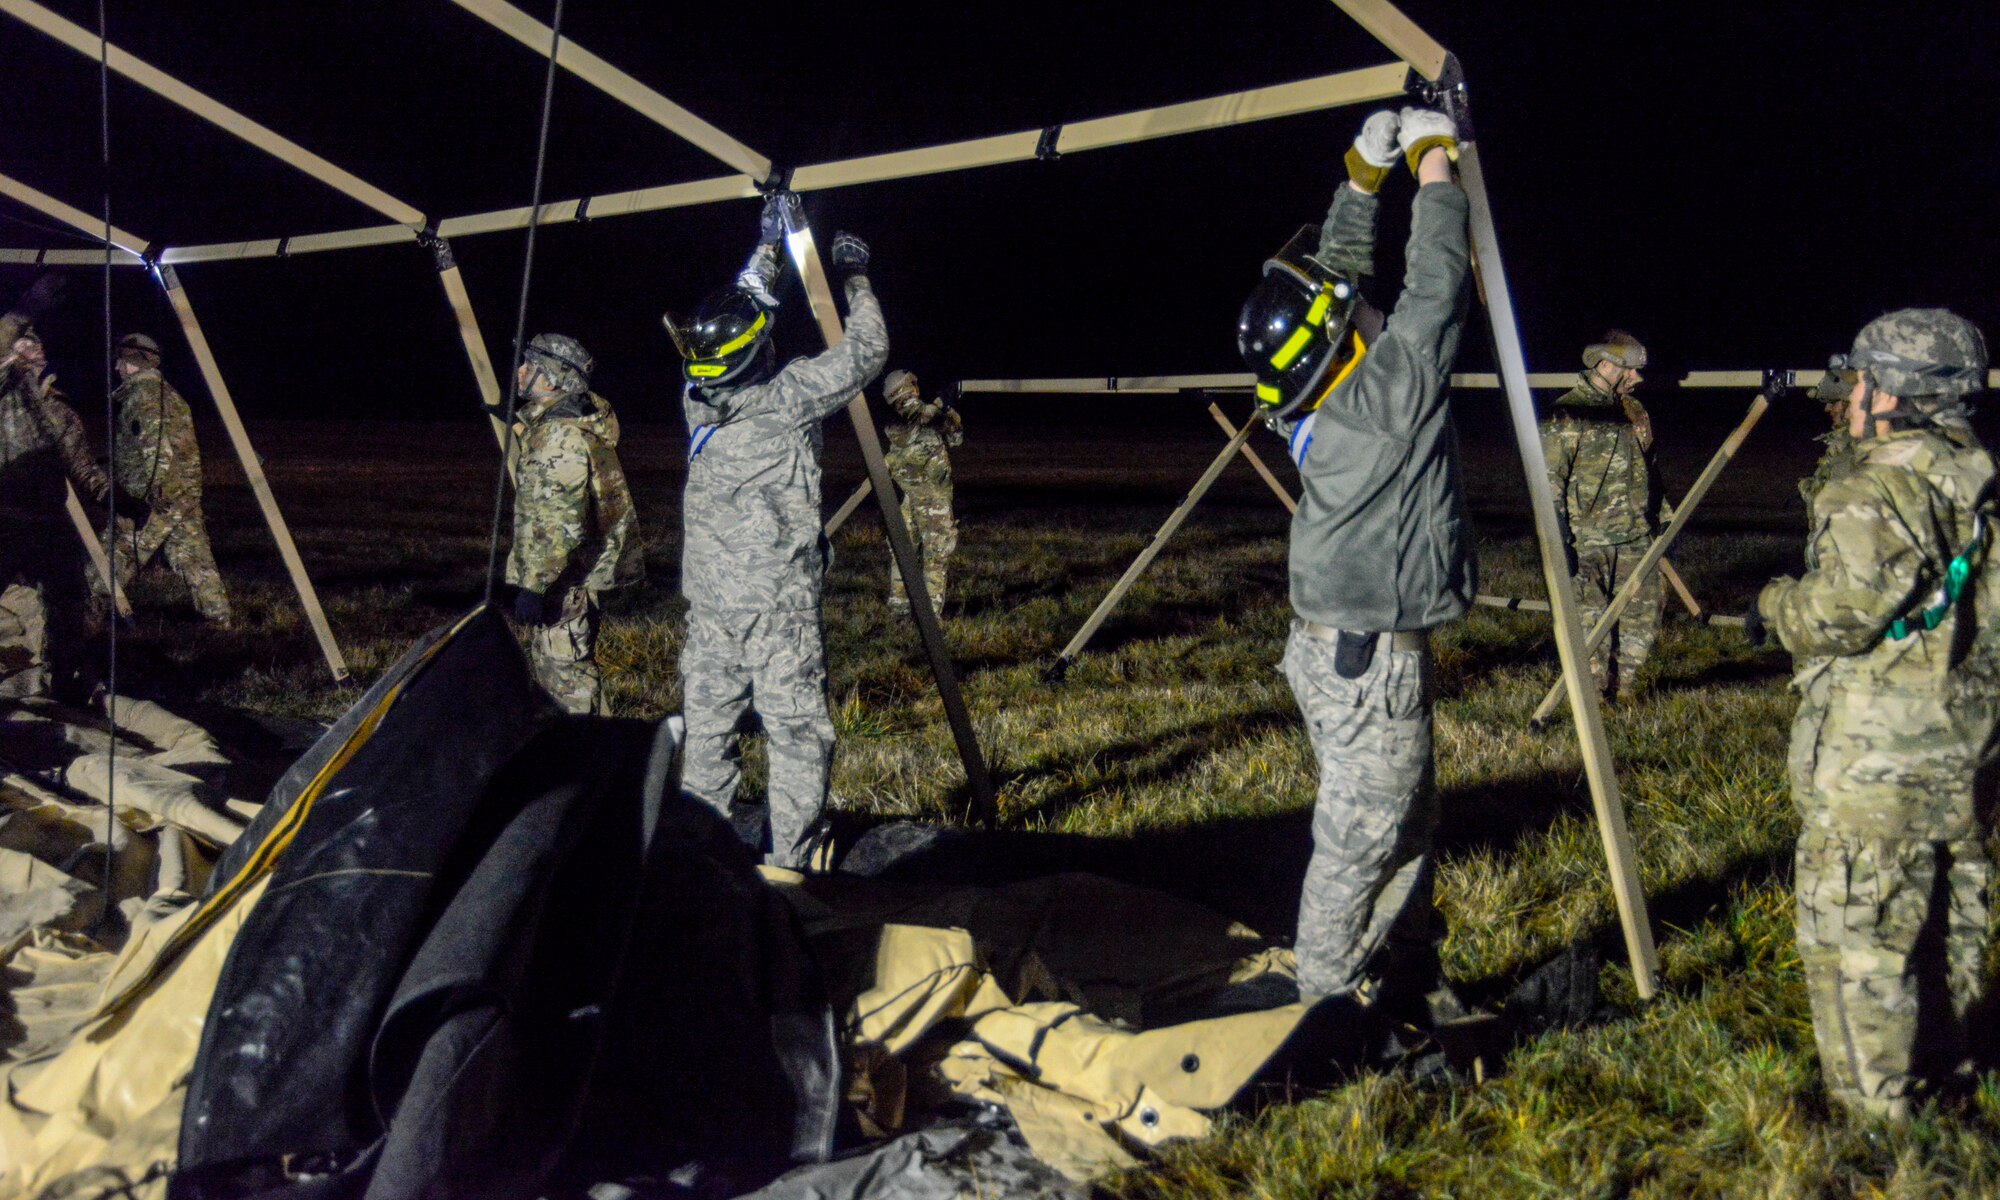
{"x": 1896, "y": 629}
{"x": 157, "y": 464}
{"x": 1599, "y": 445}
{"x": 575, "y": 533}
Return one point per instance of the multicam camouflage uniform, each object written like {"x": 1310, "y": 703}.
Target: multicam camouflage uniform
{"x": 1840, "y": 451}
{"x": 1893, "y": 754}
{"x": 575, "y": 537}
{"x": 42, "y": 448}
{"x": 1599, "y": 452}
{"x": 158, "y": 463}
{"x": 920, "y": 463}
{"x": 751, "y": 569}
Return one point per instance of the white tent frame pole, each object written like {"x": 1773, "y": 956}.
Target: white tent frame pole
{"x": 984, "y": 807}
{"x": 847, "y": 507}
{"x": 1251, "y": 456}
{"x": 95, "y": 548}
{"x": 1067, "y": 656}
{"x": 619, "y": 86}
{"x": 1656, "y": 553}
{"x": 473, "y": 339}
{"x": 1287, "y": 99}
{"x": 86, "y": 43}
{"x": 253, "y": 469}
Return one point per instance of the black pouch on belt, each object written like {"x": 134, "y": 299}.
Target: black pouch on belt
{"x": 1352, "y": 652}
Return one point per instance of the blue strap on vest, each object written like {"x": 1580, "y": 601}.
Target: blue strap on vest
{"x": 699, "y": 439}
{"x": 1301, "y": 439}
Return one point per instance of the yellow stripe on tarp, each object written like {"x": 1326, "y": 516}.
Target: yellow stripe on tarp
{"x": 274, "y": 844}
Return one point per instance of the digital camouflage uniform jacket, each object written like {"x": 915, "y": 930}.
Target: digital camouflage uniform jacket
{"x": 752, "y": 506}
{"x": 157, "y": 459}
{"x": 918, "y": 445}
{"x": 42, "y": 446}
{"x": 1600, "y": 467}
{"x": 573, "y": 520}
{"x": 1917, "y": 710}
{"x": 1381, "y": 540}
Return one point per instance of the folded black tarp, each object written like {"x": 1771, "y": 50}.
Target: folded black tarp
{"x": 500, "y": 954}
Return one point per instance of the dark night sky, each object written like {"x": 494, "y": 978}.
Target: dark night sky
{"x": 1741, "y": 184}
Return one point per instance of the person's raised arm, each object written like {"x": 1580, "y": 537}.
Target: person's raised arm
{"x": 1347, "y": 236}
{"x": 816, "y": 387}
{"x": 1440, "y": 252}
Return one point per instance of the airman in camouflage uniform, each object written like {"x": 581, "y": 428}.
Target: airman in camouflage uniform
{"x": 1599, "y": 447}
{"x": 753, "y": 558}
{"x": 42, "y": 449}
{"x": 920, "y": 462}
{"x": 1896, "y": 625}
{"x": 157, "y": 462}
{"x": 575, "y": 533}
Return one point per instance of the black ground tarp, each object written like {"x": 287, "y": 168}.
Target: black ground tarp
{"x": 501, "y": 957}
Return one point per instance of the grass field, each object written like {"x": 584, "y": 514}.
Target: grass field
{"x": 1176, "y": 730}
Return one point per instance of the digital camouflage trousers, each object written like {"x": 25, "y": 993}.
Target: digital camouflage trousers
{"x": 1600, "y": 572}
{"x": 927, "y": 514}
{"x": 181, "y": 536}
{"x": 774, "y": 663}
{"x": 562, "y": 655}
{"x": 1892, "y": 885}
{"x": 1368, "y": 885}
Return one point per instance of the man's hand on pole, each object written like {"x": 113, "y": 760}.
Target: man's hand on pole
{"x": 1374, "y": 151}
{"x": 1421, "y": 130}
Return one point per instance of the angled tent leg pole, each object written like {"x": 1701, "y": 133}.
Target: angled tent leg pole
{"x": 1656, "y": 553}
{"x": 472, "y": 338}
{"x": 1598, "y": 768}
{"x": 1680, "y": 588}
{"x": 1255, "y": 460}
{"x": 984, "y": 807}
{"x": 95, "y": 549}
{"x": 848, "y": 506}
{"x": 1131, "y": 576}
{"x": 253, "y": 469}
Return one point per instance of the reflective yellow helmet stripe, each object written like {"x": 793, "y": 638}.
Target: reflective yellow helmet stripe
{"x": 740, "y": 340}
{"x": 1292, "y": 348}
{"x": 706, "y": 370}
{"x": 1266, "y": 394}
{"x": 1316, "y": 315}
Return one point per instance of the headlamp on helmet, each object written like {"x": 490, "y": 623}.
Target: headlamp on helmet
{"x": 723, "y": 339}
{"x": 1296, "y": 331}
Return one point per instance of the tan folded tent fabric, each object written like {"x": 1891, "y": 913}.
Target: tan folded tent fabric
{"x": 1032, "y": 997}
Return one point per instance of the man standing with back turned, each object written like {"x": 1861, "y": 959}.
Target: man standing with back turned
{"x": 1380, "y": 549}
{"x": 753, "y": 557}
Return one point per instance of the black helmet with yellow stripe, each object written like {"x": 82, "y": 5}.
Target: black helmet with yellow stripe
{"x": 724, "y": 340}
{"x": 1296, "y": 331}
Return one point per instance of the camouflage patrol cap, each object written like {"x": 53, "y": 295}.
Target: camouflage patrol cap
{"x": 563, "y": 359}
{"x": 138, "y": 345}
{"x": 1616, "y": 346}
{"x": 1929, "y": 355}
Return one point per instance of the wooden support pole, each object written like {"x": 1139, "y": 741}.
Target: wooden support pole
{"x": 1255, "y": 460}
{"x": 1598, "y": 769}
{"x": 253, "y": 469}
{"x": 1146, "y": 556}
{"x": 847, "y": 507}
{"x": 1657, "y": 551}
{"x": 984, "y": 806}
{"x": 474, "y": 341}
{"x": 1680, "y": 589}
{"x": 95, "y": 549}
